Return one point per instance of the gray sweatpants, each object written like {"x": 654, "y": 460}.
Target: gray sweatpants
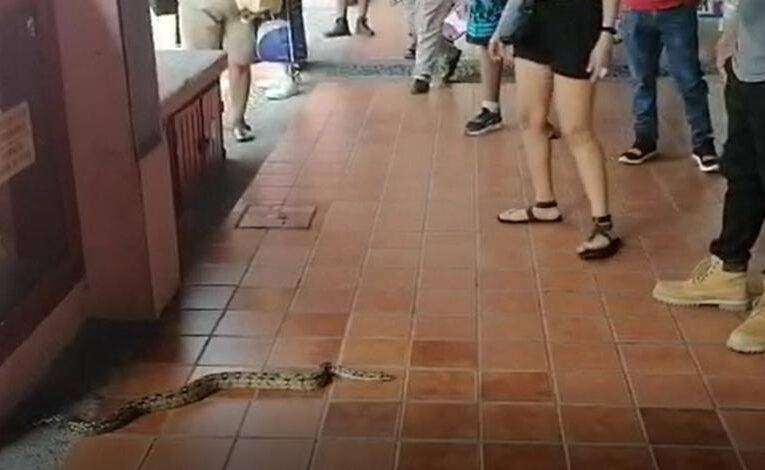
{"x": 410, "y": 9}
{"x": 431, "y": 44}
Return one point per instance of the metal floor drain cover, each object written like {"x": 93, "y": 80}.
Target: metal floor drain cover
{"x": 291, "y": 217}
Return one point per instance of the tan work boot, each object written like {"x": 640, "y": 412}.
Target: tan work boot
{"x": 749, "y": 337}
{"x": 708, "y": 285}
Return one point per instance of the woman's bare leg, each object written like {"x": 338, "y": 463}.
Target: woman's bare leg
{"x": 574, "y": 103}
{"x": 534, "y": 91}
{"x": 239, "y": 78}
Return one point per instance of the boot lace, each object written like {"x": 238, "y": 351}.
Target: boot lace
{"x": 758, "y": 307}
{"x": 702, "y": 271}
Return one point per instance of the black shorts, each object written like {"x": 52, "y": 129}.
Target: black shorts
{"x": 562, "y": 35}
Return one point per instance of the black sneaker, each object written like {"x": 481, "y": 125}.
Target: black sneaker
{"x": 485, "y": 122}
{"x": 420, "y": 86}
{"x": 706, "y": 157}
{"x": 639, "y": 153}
{"x": 340, "y": 29}
{"x": 451, "y": 64}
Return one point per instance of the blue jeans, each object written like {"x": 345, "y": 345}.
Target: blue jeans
{"x": 646, "y": 34}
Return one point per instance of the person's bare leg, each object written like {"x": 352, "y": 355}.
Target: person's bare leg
{"x": 534, "y": 91}
{"x": 341, "y": 8}
{"x": 491, "y": 77}
{"x": 239, "y": 78}
{"x": 489, "y": 117}
{"x": 534, "y": 85}
{"x": 574, "y": 104}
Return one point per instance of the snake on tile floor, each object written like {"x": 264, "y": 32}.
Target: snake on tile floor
{"x": 209, "y": 384}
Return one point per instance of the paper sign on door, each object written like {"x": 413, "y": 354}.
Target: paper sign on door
{"x": 17, "y": 146}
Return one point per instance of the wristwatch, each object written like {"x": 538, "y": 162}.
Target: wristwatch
{"x": 609, "y": 29}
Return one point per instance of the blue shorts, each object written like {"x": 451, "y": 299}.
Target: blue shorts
{"x": 483, "y": 20}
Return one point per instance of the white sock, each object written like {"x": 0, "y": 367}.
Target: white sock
{"x": 492, "y": 106}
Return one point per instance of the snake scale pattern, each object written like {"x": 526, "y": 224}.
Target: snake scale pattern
{"x": 209, "y": 384}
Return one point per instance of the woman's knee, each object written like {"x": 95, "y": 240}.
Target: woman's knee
{"x": 532, "y": 120}
{"x": 578, "y": 133}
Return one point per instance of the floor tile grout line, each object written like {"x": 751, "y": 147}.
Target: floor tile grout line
{"x": 327, "y": 394}
{"x": 272, "y": 345}
{"x": 254, "y": 396}
{"x": 417, "y": 290}
{"x": 708, "y": 389}
{"x": 195, "y": 364}
{"x": 346, "y": 334}
{"x": 310, "y": 153}
{"x": 146, "y": 454}
{"x": 475, "y": 144}
{"x": 700, "y": 371}
{"x": 535, "y": 271}
{"x": 627, "y": 376}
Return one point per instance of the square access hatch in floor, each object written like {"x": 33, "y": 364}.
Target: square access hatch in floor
{"x": 288, "y": 217}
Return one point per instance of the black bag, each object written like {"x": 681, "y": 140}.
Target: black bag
{"x": 164, "y": 7}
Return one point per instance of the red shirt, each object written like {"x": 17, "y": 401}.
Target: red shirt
{"x": 653, "y": 5}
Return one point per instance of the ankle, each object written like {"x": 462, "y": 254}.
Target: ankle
{"x": 734, "y": 268}
{"x": 604, "y": 221}
{"x": 492, "y": 106}
{"x": 546, "y": 209}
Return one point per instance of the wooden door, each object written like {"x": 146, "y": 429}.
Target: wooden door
{"x": 40, "y": 251}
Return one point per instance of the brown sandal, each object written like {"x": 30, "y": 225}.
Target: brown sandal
{"x": 603, "y": 227}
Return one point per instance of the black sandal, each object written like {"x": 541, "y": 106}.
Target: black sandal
{"x": 530, "y": 217}
{"x": 603, "y": 227}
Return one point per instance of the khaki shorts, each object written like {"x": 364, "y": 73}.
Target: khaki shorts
{"x": 215, "y": 24}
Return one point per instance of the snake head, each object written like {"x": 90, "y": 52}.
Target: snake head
{"x": 384, "y": 377}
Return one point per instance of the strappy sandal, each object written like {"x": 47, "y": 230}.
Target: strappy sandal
{"x": 602, "y": 228}
{"x": 530, "y": 217}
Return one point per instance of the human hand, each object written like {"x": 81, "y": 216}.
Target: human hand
{"x": 497, "y": 49}
{"x": 724, "y": 50}
{"x": 600, "y": 58}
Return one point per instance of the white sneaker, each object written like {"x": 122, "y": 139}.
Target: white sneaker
{"x": 243, "y": 133}
{"x": 286, "y": 89}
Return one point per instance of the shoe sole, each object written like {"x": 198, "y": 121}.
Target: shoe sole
{"x": 603, "y": 253}
{"x": 485, "y": 130}
{"x": 640, "y": 161}
{"x": 729, "y": 305}
{"x": 744, "y": 349}
{"x": 705, "y": 169}
{"x": 340, "y": 35}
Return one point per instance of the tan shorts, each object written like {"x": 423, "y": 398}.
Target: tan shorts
{"x": 215, "y": 24}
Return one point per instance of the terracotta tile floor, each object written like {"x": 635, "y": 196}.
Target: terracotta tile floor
{"x": 508, "y": 351}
